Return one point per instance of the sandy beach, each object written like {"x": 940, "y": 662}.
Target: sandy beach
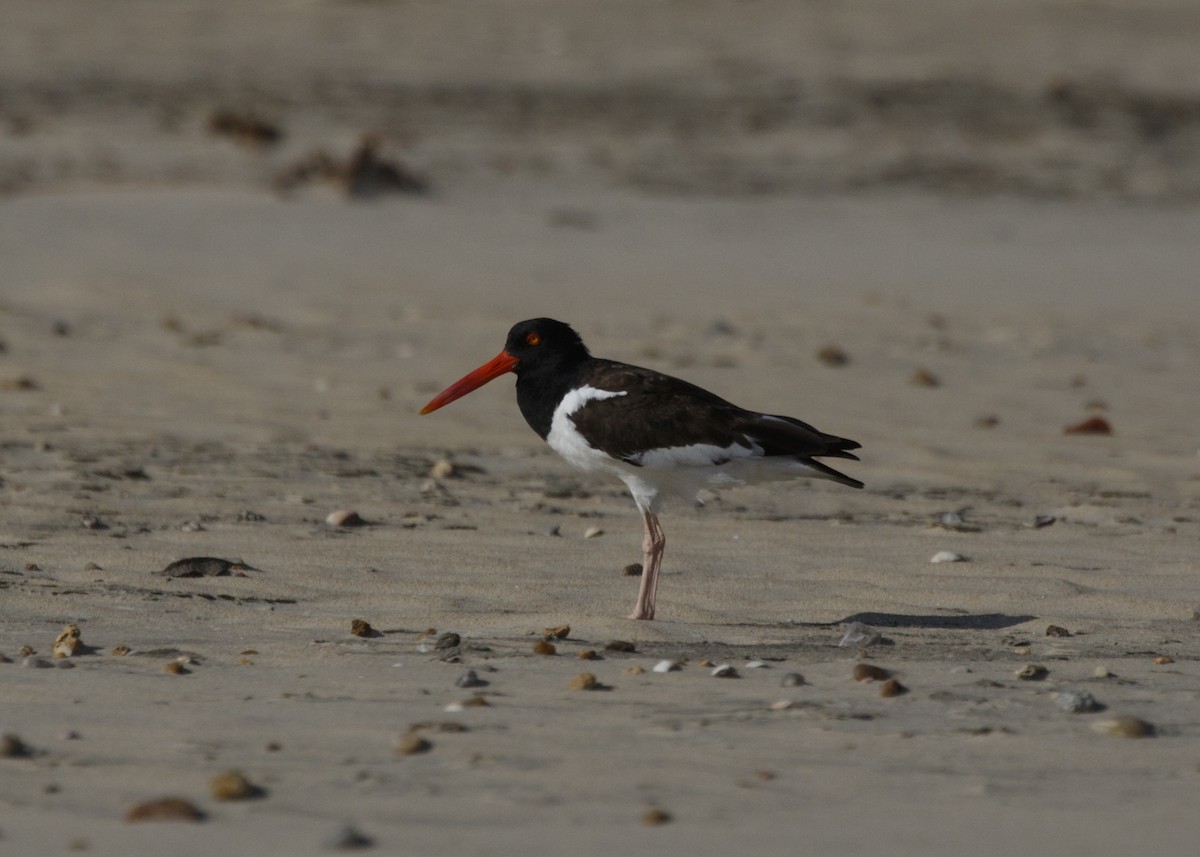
{"x": 209, "y": 343}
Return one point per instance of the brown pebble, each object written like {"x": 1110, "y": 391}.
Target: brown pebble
{"x": 249, "y": 652}
{"x": 245, "y": 662}
{"x": 344, "y": 518}
{"x": 67, "y": 643}
{"x": 1032, "y": 672}
{"x": 1125, "y": 726}
{"x": 584, "y": 681}
{"x": 428, "y": 632}
{"x": 705, "y": 662}
{"x": 1162, "y": 660}
{"x": 1057, "y": 631}
{"x": 633, "y": 670}
{"x": 924, "y": 378}
{"x": 20, "y": 383}
{"x": 619, "y": 646}
{"x": 26, "y": 651}
{"x": 233, "y": 785}
{"x": 656, "y": 817}
{"x": 174, "y": 668}
{"x": 120, "y": 651}
{"x": 558, "y": 632}
{"x": 442, "y": 469}
{"x": 541, "y": 647}
{"x": 1092, "y": 425}
{"x": 362, "y": 628}
{"x": 765, "y": 775}
{"x": 634, "y": 569}
{"x": 589, "y": 655}
{"x": 198, "y": 566}
{"x": 832, "y": 355}
{"x": 449, "y": 640}
{"x": 410, "y": 744}
{"x": 164, "y": 809}
{"x": 891, "y": 687}
{"x": 987, "y": 421}
{"x": 12, "y": 747}
{"x": 870, "y": 672}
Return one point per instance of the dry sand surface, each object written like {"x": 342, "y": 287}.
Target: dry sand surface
{"x": 195, "y": 365}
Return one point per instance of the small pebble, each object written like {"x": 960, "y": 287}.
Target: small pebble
{"x": 12, "y": 747}
{"x": 891, "y": 688}
{"x": 781, "y": 705}
{"x": 593, "y": 533}
{"x": 410, "y": 744}
{"x": 448, "y": 640}
{"x": 120, "y": 651}
{"x": 67, "y": 643}
{"x": 793, "y": 680}
{"x": 1057, "y": 631}
{"x": 26, "y": 651}
{"x": 558, "y": 632}
{"x": 724, "y": 671}
{"x": 556, "y": 530}
{"x": 619, "y": 646}
{"x": 200, "y": 566}
{"x": 922, "y": 377}
{"x": 164, "y": 809}
{"x": 174, "y": 668}
{"x": 634, "y": 569}
{"x": 362, "y": 628}
{"x": 666, "y": 667}
{"x": 655, "y": 818}
{"x": 344, "y": 518}
{"x": 1163, "y": 660}
{"x": 832, "y": 355}
{"x": 870, "y": 672}
{"x": 541, "y": 647}
{"x": 1043, "y": 521}
{"x": 757, "y": 665}
{"x": 470, "y": 679}
{"x": 633, "y": 669}
{"x": 1032, "y": 672}
{"x": 947, "y": 556}
{"x": 442, "y": 469}
{"x": 348, "y": 838}
{"x": 1077, "y": 701}
{"x": 1092, "y": 425}
{"x": 589, "y": 655}
{"x": 233, "y": 785}
{"x": 1103, "y": 672}
{"x": 951, "y": 520}
{"x": 37, "y": 663}
{"x": 584, "y": 681}
{"x": 1124, "y": 726}
{"x": 858, "y": 634}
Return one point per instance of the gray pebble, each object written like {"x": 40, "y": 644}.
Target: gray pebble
{"x": 793, "y": 680}
{"x": 36, "y": 663}
{"x": 348, "y": 838}
{"x": 1077, "y": 702}
{"x": 470, "y": 679}
{"x": 449, "y": 640}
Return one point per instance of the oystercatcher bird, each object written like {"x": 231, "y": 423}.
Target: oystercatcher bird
{"x": 661, "y": 436}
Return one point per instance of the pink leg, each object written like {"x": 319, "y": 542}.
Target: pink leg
{"x": 652, "y": 550}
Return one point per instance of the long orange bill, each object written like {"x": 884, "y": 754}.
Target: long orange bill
{"x": 493, "y": 369}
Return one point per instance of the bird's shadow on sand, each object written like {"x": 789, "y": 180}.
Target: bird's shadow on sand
{"x": 969, "y": 621}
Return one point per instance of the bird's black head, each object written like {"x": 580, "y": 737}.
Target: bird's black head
{"x": 544, "y": 342}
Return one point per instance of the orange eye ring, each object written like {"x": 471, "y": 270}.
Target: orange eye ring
{"x": 533, "y": 339}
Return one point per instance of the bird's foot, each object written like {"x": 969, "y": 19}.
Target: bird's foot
{"x": 642, "y": 614}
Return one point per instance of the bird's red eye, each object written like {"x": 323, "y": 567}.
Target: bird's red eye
{"x": 533, "y": 339}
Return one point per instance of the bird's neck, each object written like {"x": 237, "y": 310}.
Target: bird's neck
{"x": 541, "y": 388}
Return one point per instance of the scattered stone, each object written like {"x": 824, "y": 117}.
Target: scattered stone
{"x": 724, "y": 671}
{"x": 757, "y": 665}
{"x": 554, "y": 531}
{"x": 656, "y": 818}
{"x": 1125, "y": 726}
{"x": 120, "y": 651}
{"x": 619, "y": 646}
{"x": 633, "y": 669}
{"x": 1163, "y": 660}
{"x": 244, "y": 128}
{"x": 558, "y": 632}
{"x": 448, "y": 727}
{"x": 1092, "y": 425}
{"x": 781, "y": 705}
{"x": 448, "y": 640}
{"x": 891, "y": 688}
{"x": 832, "y": 355}
{"x": 858, "y": 634}
{"x": 634, "y": 569}
{"x": 164, "y": 809}
{"x": 1057, "y": 631}
{"x": 922, "y": 377}
{"x": 1032, "y": 672}
{"x": 362, "y": 628}
{"x": 584, "y": 681}
{"x": 26, "y": 651}
{"x": 233, "y": 785}
{"x": 12, "y": 747}
{"x": 593, "y": 533}
{"x": 348, "y": 838}
{"x": 202, "y": 566}
{"x": 1077, "y": 702}
{"x": 37, "y": 663}
{"x": 22, "y": 383}
{"x": 589, "y": 655}
{"x": 411, "y": 744}
{"x": 175, "y": 668}
{"x": 947, "y": 556}
{"x": 1042, "y": 521}
{"x": 345, "y": 518}
{"x": 1103, "y": 672}
{"x": 541, "y": 647}
{"x": 666, "y": 667}
{"x": 987, "y": 421}
{"x": 91, "y": 522}
{"x": 443, "y": 469}
{"x": 470, "y": 679}
{"x": 476, "y": 701}
{"x": 870, "y": 672}
{"x": 793, "y": 680}
{"x": 68, "y": 642}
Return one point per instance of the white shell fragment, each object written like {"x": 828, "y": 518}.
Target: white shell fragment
{"x": 858, "y": 634}
{"x": 593, "y": 533}
{"x": 757, "y": 665}
{"x": 666, "y": 667}
{"x": 724, "y": 671}
{"x": 947, "y": 556}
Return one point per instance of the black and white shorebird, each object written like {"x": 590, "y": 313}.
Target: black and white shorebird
{"x": 661, "y": 436}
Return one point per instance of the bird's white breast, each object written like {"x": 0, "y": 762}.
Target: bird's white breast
{"x": 564, "y": 437}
